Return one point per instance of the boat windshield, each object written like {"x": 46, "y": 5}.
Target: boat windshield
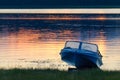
{"x": 70, "y": 44}
{"x": 81, "y": 45}
{"x": 90, "y": 47}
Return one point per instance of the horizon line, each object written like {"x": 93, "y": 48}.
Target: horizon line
{"x": 63, "y": 11}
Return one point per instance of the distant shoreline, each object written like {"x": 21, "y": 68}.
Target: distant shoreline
{"x": 59, "y": 6}
{"x": 47, "y": 4}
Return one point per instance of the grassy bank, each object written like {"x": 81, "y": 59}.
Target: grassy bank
{"x": 36, "y": 74}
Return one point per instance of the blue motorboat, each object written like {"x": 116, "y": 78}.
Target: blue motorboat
{"x": 81, "y": 54}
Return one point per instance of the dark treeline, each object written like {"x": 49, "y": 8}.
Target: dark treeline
{"x": 59, "y": 3}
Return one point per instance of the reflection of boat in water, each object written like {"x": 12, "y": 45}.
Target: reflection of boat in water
{"x": 81, "y": 54}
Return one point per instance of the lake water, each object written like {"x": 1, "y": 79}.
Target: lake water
{"x": 35, "y": 40}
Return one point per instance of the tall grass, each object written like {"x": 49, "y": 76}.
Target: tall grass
{"x": 48, "y": 74}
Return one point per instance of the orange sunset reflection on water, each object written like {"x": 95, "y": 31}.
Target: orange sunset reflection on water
{"x": 101, "y": 42}
{"x": 58, "y": 17}
{"x": 28, "y": 41}
{"x": 27, "y": 47}
{"x": 40, "y": 48}
{"x": 102, "y": 18}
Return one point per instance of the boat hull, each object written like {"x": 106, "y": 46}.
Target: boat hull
{"x": 81, "y": 59}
